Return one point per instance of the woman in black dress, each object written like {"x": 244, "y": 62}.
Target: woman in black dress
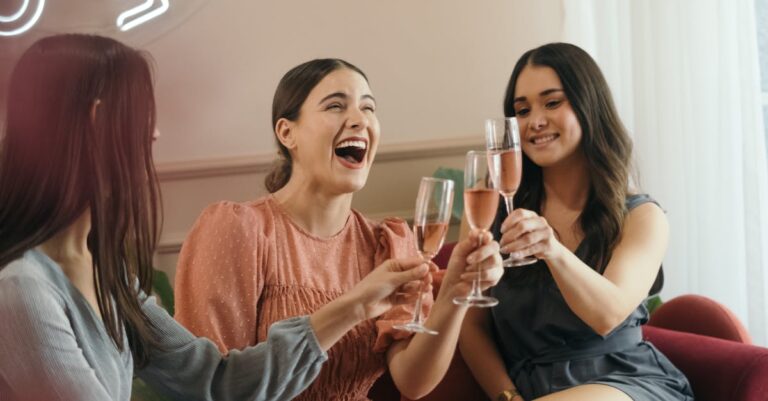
{"x": 568, "y": 327}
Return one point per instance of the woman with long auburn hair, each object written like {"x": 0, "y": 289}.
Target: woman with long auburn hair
{"x": 78, "y": 226}
{"x": 568, "y": 327}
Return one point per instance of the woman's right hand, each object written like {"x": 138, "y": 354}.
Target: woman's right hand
{"x": 394, "y": 282}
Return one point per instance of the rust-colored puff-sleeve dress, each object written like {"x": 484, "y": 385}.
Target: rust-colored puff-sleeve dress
{"x": 246, "y": 265}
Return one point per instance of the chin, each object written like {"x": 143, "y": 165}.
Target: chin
{"x": 546, "y": 159}
{"x": 355, "y": 187}
{"x": 351, "y": 186}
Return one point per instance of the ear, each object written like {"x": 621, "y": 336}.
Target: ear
{"x": 94, "y": 108}
{"x": 285, "y": 134}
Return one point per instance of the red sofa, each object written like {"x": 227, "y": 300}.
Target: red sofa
{"x": 717, "y": 369}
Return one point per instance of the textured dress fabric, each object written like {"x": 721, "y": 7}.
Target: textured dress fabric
{"x": 247, "y": 265}
{"x": 54, "y": 347}
{"x": 547, "y": 348}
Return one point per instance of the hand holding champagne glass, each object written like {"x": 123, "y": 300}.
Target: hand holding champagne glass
{"x": 481, "y": 199}
{"x": 502, "y": 139}
{"x": 430, "y": 224}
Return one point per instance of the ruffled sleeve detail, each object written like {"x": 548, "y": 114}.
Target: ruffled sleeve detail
{"x": 395, "y": 240}
{"x": 218, "y": 276}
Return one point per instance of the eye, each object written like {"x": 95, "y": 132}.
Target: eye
{"x": 553, "y": 103}
{"x": 334, "y": 106}
{"x": 521, "y": 112}
{"x": 369, "y": 108}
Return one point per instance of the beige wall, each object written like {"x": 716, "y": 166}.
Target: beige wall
{"x": 436, "y": 67}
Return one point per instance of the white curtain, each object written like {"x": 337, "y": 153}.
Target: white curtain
{"x": 685, "y": 77}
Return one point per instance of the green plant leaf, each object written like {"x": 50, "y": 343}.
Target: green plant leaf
{"x": 457, "y": 176}
{"x": 161, "y": 287}
{"x": 653, "y": 303}
{"x": 142, "y": 392}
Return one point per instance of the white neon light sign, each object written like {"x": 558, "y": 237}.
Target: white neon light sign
{"x": 121, "y": 19}
{"x": 6, "y": 19}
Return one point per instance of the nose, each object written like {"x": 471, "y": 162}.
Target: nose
{"x": 357, "y": 120}
{"x": 537, "y": 120}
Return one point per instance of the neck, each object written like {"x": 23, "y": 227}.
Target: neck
{"x": 315, "y": 211}
{"x": 567, "y": 184}
{"x": 69, "y": 247}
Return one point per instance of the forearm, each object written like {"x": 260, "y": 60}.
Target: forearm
{"x": 417, "y": 366}
{"x": 592, "y": 297}
{"x": 482, "y": 357}
{"x": 334, "y": 320}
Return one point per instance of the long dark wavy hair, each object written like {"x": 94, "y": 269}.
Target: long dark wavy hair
{"x": 57, "y": 162}
{"x": 605, "y": 143}
{"x": 290, "y": 95}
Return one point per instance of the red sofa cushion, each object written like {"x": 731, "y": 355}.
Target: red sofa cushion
{"x": 700, "y": 315}
{"x": 717, "y": 369}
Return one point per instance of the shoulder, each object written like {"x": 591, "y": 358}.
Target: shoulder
{"x": 228, "y": 216}
{"x": 388, "y": 225}
{"x": 237, "y": 211}
{"x": 635, "y": 200}
{"x": 645, "y": 216}
{"x": 26, "y": 285}
{"x": 392, "y": 223}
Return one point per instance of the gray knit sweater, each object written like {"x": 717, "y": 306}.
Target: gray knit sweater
{"x": 54, "y": 347}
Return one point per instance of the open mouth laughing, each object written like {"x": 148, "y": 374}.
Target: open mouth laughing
{"x": 351, "y": 152}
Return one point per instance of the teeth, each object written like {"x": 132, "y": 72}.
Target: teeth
{"x": 351, "y": 143}
{"x": 542, "y": 139}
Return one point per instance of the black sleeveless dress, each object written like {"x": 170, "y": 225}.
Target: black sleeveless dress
{"x": 547, "y": 348}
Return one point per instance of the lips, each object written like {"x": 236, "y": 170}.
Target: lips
{"x": 352, "y": 151}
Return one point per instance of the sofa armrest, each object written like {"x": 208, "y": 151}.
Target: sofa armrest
{"x": 717, "y": 369}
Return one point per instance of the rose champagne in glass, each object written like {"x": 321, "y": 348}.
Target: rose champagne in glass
{"x": 502, "y": 139}
{"x": 481, "y": 199}
{"x": 430, "y": 224}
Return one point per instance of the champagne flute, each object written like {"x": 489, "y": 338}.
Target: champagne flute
{"x": 481, "y": 199}
{"x": 430, "y": 224}
{"x": 502, "y": 139}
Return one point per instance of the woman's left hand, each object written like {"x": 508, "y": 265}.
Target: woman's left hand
{"x": 478, "y": 252}
{"x": 525, "y": 233}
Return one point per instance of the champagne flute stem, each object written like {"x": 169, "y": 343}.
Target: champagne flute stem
{"x": 417, "y": 307}
{"x": 508, "y": 202}
{"x": 476, "y": 284}
{"x": 476, "y": 281}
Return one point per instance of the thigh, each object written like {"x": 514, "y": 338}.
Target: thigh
{"x": 592, "y": 392}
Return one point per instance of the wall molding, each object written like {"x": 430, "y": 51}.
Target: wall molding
{"x": 261, "y": 163}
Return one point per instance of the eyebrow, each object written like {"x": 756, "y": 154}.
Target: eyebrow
{"x": 343, "y": 95}
{"x": 542, "y": 93}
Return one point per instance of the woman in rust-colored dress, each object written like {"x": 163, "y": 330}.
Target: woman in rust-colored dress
{"x": 247, "y": 265}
